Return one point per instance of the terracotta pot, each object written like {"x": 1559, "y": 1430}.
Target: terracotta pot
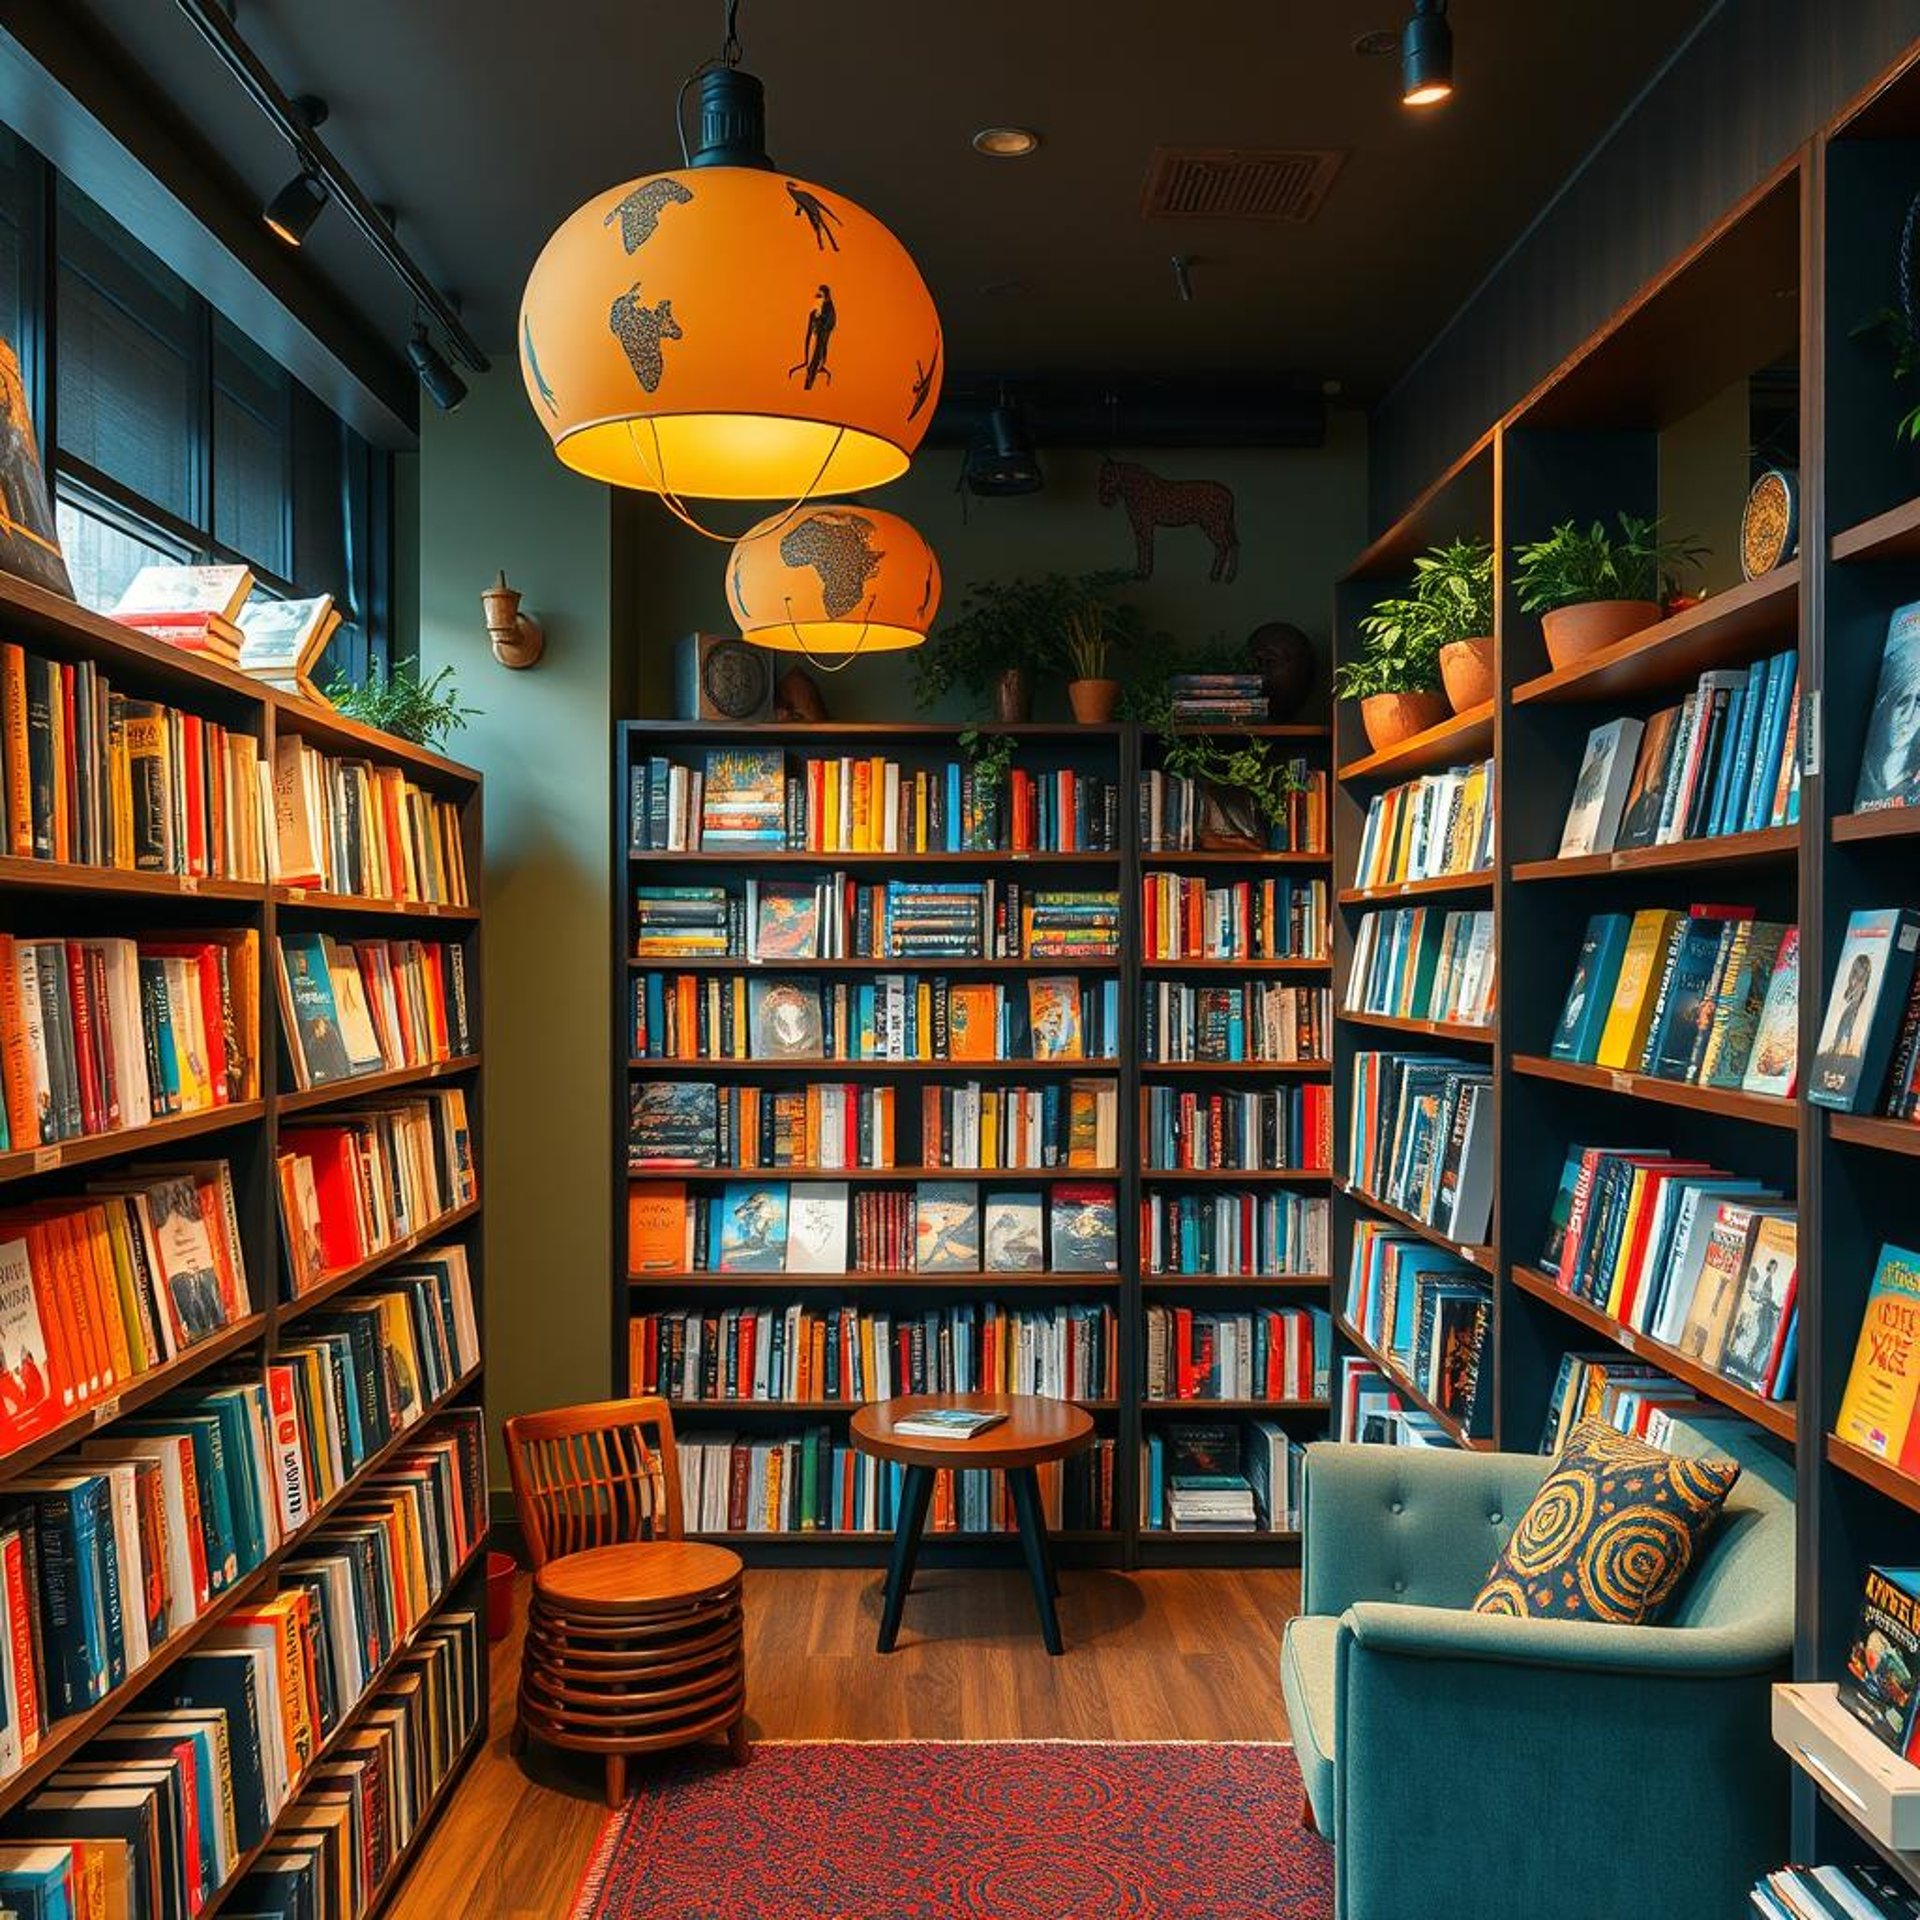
{"x": 1013, "y": 696}
{"x": 1466, "y": 666}
{"x": 1093, "y": 701}
{"x": 1390, "y": 718}
{"x": 1574, "y": 632}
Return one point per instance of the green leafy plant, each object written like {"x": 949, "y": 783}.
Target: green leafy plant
{"x": 1068, "y": 621}
{"x": 427, "y": 712}
{"x": 1573, "y": 565}
{"x": 1233, "y": 763}
{"x": 1451, "y": 599}
{"x": 990, "y": 757}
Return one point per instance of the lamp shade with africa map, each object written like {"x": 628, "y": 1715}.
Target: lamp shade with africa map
{"x": 834, "y": 579}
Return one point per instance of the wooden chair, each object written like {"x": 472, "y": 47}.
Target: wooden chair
{"x": 635, "y": 1635}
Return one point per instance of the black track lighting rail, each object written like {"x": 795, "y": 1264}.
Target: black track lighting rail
{"x": 217, "y": 28}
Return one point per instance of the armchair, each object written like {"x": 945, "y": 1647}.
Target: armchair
{"x": 1476, "y": 1767}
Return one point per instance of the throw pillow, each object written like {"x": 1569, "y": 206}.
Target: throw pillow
{"x": 1610, "y": 1535}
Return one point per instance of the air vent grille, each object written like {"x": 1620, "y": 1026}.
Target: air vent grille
{"x": 1238, "y": 183}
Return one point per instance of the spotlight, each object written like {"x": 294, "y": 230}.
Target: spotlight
{"x": 291, "y": 212}
{"x": 438, "y": 381}
{"x": 1426, "y": 56}
{"x": 1005, "y": 462}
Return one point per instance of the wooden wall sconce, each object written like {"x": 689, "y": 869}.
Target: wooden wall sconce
{"x": 518, "y": 638}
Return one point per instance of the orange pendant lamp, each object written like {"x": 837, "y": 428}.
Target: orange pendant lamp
{"x": 727, "y": 331}
{"x": 834, "y": 579}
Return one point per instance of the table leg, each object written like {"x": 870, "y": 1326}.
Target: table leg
{"x": 1025, "y": 1486}
{"x": 915, "y": 1492}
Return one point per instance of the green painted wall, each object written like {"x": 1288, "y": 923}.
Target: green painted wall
{"x": 491, "y": 495}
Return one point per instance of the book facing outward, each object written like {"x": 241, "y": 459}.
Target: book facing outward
{"x": 1600, "y": 790}
{"x": 946, "y": 1423}
{"x": 1877, "y": 1409}
{"x": 1890, "y": 762}
{"x": 1872, "y": 980}
{"x": 281, "y": 641}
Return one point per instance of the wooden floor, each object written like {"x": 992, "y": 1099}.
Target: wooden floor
{"x": 1150, "y": 1656}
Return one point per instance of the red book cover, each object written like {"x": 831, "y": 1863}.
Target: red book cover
{"x": 336, "y": 1181}
{"x": 194, "y": 767}
{"x": 26, "y": 1686}
{"x": 86, "y": 1054}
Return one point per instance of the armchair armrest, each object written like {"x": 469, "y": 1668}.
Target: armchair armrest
{"x": 1407, "y": 1525}
{"x": 1752, "y": 1646}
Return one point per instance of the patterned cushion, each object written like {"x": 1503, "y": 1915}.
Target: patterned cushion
{"x": 1611, "y": 1533}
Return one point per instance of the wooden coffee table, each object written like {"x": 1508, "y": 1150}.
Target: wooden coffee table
{"x": 1036, "y": 1430}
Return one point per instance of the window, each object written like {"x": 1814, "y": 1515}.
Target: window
{"x": 169, "y": 435}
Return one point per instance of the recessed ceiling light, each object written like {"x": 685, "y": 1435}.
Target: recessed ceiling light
{"x": 1377, "y": 44}
{"x": 1006, "y": 143}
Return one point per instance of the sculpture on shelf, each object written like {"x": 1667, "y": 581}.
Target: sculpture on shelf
{"x": 1153, "y": 501}
{"x": 798, "y": 700}
{"x": 1283, "y": 657}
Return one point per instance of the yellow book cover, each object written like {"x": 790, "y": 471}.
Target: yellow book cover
{"x": 1876, "y": 1410}
{"x": 1636, "y": 1199}
{"x": 880, "y": 822}
{"x": 1631, "y": 1014}
{"x": 862, "y": 806}
{"x": 920, "y": 813}
{"x": 16, "y": 782}
{"x": 830, "y": 808}
{"x": 923, "y": 1018}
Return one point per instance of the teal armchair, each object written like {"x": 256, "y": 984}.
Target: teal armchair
{"x": 1476, "y": 1767}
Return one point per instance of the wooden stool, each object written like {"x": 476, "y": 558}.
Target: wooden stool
{"x": 635, "y": 1636}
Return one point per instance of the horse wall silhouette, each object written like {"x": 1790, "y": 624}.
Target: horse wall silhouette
{"x": 1153, "y": 501}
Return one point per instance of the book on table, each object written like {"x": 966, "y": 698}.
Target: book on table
{"x": 948, "y": 1423}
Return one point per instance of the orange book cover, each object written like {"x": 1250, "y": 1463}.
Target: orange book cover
{"x": 1883, "y": 1385}
{"x": 16, "y": 777}
{"x": 971, "y": 1022}
{"x": 656, "y": 1226}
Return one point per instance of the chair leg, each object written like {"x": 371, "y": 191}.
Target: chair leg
{"x": 738, "y": 1744}
{"x": 1307, "y": 1821}
{"x": 616, "y": 1779}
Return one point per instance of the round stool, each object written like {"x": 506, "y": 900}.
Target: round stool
{"x": 631, "y": 1649}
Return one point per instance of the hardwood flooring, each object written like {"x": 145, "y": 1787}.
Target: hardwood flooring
{"x": 1162, "y": 1655}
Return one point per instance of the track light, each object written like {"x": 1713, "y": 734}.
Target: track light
{"x": 291, "y": 212}
{"x": 1005, "y": 462}
{"x": 438, "y": 381}
{"x": 1426, "y": 56}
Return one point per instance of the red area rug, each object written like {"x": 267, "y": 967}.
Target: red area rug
{"x": 933, "y": 1831}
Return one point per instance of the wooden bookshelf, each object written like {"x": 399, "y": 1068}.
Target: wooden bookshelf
{"x": 1119, "y": 753}
{"x": 1883, "y": 1476}
{"x": 1871, "y": 1130}
{"x": 1461, "y": 737}
{"x": 1468, "y": 1033}
{"x": 1892, "y": 535}
{"x": 1438, "y": 886}
{"x": 246, "y": 1134}
{"x": 1883, "y": 823}
{"x": 1763, "y": 1109}
{"x": 1777, "y": 1416}
{"x": 1722, "y": 850}
{"x": 1474, "y": 1255}
{"x": 1397, "y": 1378}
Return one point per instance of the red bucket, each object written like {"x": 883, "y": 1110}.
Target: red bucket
{"x": 500, "y": 1571}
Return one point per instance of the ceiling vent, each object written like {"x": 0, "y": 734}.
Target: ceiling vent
{"x": 1238, "y": 183}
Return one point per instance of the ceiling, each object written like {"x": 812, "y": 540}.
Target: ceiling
{"x": 485, "y": 122}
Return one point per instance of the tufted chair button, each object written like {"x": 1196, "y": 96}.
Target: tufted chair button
{"x": 1396, "y": 1506}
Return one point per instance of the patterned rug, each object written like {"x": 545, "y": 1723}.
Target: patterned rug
{"x": 929, "y": 1830}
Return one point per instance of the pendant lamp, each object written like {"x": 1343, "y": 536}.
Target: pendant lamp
{"x": 729, "y": 331}
{"x": 834, "y": 579}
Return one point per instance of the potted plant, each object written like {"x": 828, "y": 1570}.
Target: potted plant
{"x": 1396, "y": 677}
{"x": 1591, "y": 588}
{"x": 1093, "y": 628}
{"x": 1450, "y": 608}
{"x": 402, "y": 704}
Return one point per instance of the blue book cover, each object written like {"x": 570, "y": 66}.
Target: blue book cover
{"x": 1766, "y": 763}
{"x": 1728, "y": 753}
{"x": 228, "y": 1405}
{"x": 1676, "y": 1038}
{"x": 222, "y": 1681}
{"x": 954, "y": 840}
{"x": 73, "y": 1632}
{"x": 753, "y": 1227}
{"x": 1583, "y": 1015}
{"x": 1864, "y": 1009}
{"x": 312, "y": 1016}
{"x": 209, "y": 1476}
{"x": 1759, "y": 680}
{"x": 37, "y": 1883}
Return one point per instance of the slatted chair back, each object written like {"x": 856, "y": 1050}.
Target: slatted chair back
{"x": 602, "y": 1475}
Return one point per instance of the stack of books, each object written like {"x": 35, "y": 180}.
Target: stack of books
{"x": 742, "y": 799}
{"x": 1262, "y": 1353}
{"x": 1262, "y": 1022}
{"x": 97, "y": 778}
{"x": 893, "y": 1016}
{"x": 1233, "y": 1234}
{"x": 99, "y": 1288}
{"x": 357, "y": 1007}
{"x": 1420, "y": 1137}
{"x": 1220, "y": 1477}
{"x": 683, "y": 921}
{"x": 1821, "y": 1893}
{"x": 1429, "y": 1313}
{"x": 1710, "y": 997}
{"x": 1440, "y": 825}
{"x": 1187, "y": 917}
{"x": 1701, "y": 1260}
{"x": 1412, "y": 963}
{"x": 1722, "y": 761}
{"x": 101, "y": 1034}
{"x": 826, "y": 1125}
{"x": 196, "y": 609}
{"x": 1200, "y": 699}
{"x": 1083, "y": 925}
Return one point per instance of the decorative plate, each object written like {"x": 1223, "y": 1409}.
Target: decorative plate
{"x": 1770, "y": 524}
{"x": 735, "y": 679}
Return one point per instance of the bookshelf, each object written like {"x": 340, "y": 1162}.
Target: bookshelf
{"x": 50, "y": 899}
{"x": 1116, "y": 754}
{"x": 1772, "y": 294}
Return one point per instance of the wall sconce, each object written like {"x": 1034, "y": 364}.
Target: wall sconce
{"x": 518, "y": 638}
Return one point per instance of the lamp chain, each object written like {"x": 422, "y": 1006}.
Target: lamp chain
{"x": 675, "y": 505}
{"x": 812, "y": 660}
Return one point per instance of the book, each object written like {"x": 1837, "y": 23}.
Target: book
{"x": 1877, "y": 1408}
{"x": 1880, "y": 1680}
{"x": 753, "y": 1227}
{"x": 946, "y": 1423}
{"x": 1013, "y": 1233}
{"x": 1583, "y": 1015}
{"x": 1600, "y": 789}
{"x": 1083, "y": 1228}
{"x": 1773, "y": 1065}
{"x": 673, "y": 1123}
{"x": 1053, "y": 1017}
{"x": 1764, "y": 1315}
{"x": 161, "y": 589}
{"x": 1650, "y": 941}
{"x": 817, "y": 1226}
{"x": 29, "y": 534}
{"x": 743, "y": 798}
{"x": 282, "y": 640}
{"x": 1646, "y": 792}
{"x": 786, "y": 1019}
{"x": 1890, "y": 760}
{"x": 788, "y": 926}
{"x": 946, "y": 1217}
{"x": 1871, "y": 981}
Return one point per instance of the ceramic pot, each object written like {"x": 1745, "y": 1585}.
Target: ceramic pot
{"x": 1093, "y": 701}
{"x": 1466, "y": 668}
{"x": 1574, "y": 632}
{"x": 1013, "y": 696}
{"x": 1390, "y": 718}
